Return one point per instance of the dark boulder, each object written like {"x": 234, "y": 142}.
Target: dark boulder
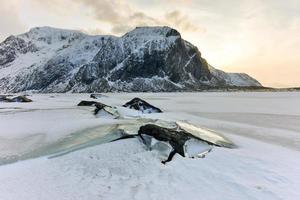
{"x": 21, "y": 99}
{"x": 4, "y": 98}
{"x": 99, "y": 107}
{"x": 141, "y": 105}
{"x": 177, "y": 138}
{"x": 103, "y": 110}
{"x": 87, "y": 103}
{"x": 97, "y": 96}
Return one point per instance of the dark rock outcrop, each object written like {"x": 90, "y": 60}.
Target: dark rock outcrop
{"x": 176, "y": 137}
{"x": 99, "y": 107}
{"x": 141, "y": 105}
{"x": 97, "y": 96}
{"x": 12, "y": 46}
{"x": 4, "y": 98}
{"x": 21, "y": 99}
{"x": 87, "y": 103}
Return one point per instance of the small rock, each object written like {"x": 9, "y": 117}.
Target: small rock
{"x": 100, "y": 107}
{"x": 97, "y": 96}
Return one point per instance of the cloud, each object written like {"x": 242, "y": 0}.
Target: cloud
{"x": 106, "y": 10}
{"x": 182, "y": 21}
{"x": 10, "y": 22}
{"x": 131, "y": 21}
{"x": 120, "y": 28}
{"x": 122, "y": 17}
{"x": 94, "y": 31}
{"x": 112, "y": 12}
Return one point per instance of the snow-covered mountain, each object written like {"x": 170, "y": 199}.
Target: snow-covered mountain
{"x": 145, "y": 59}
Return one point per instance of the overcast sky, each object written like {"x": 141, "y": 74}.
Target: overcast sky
{"x": 258, "y": 37}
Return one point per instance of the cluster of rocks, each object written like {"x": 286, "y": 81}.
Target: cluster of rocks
{"x": 135, "y": 104}
{"x": 176, "y": 135}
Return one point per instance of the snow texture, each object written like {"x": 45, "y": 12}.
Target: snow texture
{"x": 264, "y": 126}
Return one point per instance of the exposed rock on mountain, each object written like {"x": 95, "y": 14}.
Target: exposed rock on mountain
{"x": 145, "y": 59}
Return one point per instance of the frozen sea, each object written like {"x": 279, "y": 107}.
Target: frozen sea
{"x": 265, "y": 165}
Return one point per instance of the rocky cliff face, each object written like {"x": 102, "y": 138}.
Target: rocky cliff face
{"x": 146, "y": 59}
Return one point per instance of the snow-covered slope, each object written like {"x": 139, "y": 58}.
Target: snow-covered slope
{"x": 146, "y": 59}
{"x": 232, "y": 79}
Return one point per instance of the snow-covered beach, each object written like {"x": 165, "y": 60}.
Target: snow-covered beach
{"x": 264, "y": 126}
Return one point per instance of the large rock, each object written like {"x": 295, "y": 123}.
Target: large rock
{"x": 179, "y": 136}
{"x": 141, "y": 105}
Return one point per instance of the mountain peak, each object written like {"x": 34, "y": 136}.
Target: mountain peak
{"x": 47, "y": 33}
{"x": 153, "y": 31}
{"x": 49, "y": 29}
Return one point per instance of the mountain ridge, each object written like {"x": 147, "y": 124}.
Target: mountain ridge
{"x": 155, "y": 59}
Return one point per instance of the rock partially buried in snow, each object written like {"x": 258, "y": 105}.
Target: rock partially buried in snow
{"x": 106, "y": 111}
{"x": 185, "y": 139}
{"x": 141, "y": 105}
{"x": 20, "y": 99}
{"x": 173, "y": 137}
{"x": 97, "y": 96}
{"x": 101, "y": 110}
{"x": 4, "y": 98}
{"x": 87, "y": 103}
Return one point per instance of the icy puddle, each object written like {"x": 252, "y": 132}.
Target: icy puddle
{"x": 13, "y": 150}
{"x": 33, "y": 146}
